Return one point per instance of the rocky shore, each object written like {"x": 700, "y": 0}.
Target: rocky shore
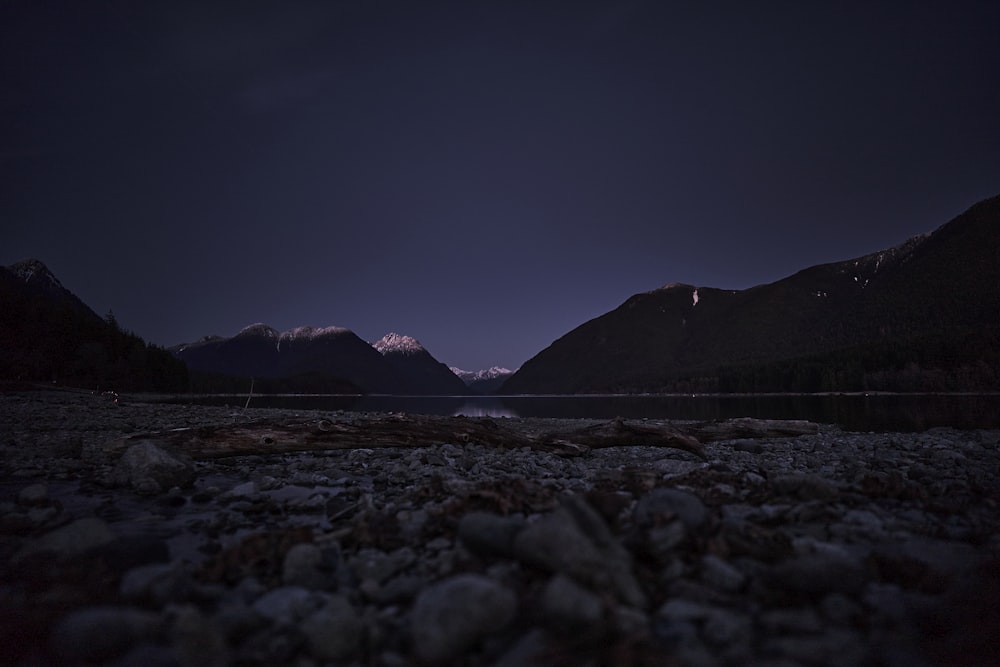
{"x": 834, "y": 548}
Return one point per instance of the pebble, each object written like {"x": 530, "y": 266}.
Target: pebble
{"x": 454, "y": 614}
{"x": 827, "y": 549}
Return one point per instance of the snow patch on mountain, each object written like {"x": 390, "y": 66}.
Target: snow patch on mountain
{"x": 477, "y": 376}
{"x": 259, "y": 329}
{"x": 674, "y": 285}
{"x": 309, "y": 332}
{"x": 394, "y": 343}
{"x": 33, "y": 270}
{"x": 306, "y": 333}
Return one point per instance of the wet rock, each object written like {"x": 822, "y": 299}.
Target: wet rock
{"x": 453, "y": 615}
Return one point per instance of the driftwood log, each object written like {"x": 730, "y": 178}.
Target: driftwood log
{"x": 271, "y": 437}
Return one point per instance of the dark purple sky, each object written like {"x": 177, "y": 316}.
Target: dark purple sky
{"x": 483, "y": 176}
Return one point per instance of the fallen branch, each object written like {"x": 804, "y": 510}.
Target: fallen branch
{"x": 270, "y": 437}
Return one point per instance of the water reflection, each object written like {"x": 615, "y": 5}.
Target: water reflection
{"x": 484, "y": 407}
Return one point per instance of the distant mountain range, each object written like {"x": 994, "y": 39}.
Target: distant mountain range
{"x": 923, "y": 316}
{"x": 330, "y": 359}
{"x": 48, "y": 334}
{"x": 486, "y": 381}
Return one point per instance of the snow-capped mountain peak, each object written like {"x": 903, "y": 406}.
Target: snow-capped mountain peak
{"x": 394, "y": 343}
{"x": 486, "y": 374}
{"x": 309, "y": 332}
{"x": 34, "y": 271}
{"x": 259, "y": 329}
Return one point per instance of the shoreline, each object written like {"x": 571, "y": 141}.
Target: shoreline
{"x": 835, "y": 548}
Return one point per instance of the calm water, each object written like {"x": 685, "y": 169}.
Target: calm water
{"x": 882, "y": 412}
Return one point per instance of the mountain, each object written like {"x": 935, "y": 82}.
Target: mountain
{"x": 48, "y": 334}
{"x": 924, "y": 315}
{"x": 417, "y": 371}
{"x": 260, "y": 351}
{"x": 327, "y": 359}
{"x": 486, "y": 381}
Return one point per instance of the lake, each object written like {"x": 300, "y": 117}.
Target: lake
{"x": 855, "y": 412}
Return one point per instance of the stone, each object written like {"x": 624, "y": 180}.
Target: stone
{"x": 70, "y": 540}
{"x": 242, "y": 490}
{"x": 723, "y": 627}
{"x": 453, "y": 615}
{"x": 660, "y": 541}
{"x": 791, "y": 619}
{"x": 721, "y": 575}
{"x": 834, "y": 647}
{"x": 804, "y": 486}
{"x": 158, "y": 583}
{"x": 378, "y": 566}
{"x": 531, "y": 649}
{"x": 567, "y": 605}
{"x": 686, "y": 506}
{"x": 489, "y": 534}
{"x": 39, "y": 516}
{"x": 793, "y": 557}
{"x": 617, "y": 559}
{"x": 335, "y": 631}
{"x": 197, "y": 639}
{"x": 34, "y": 494}
{"x": 303, "y": 566}
{"x": 286, "y": 604}
{"x": 817, "y": 574}
{"x": 145, "y": 466}
{"x": 557, "y": 543}
{"x": 98, "y": 634}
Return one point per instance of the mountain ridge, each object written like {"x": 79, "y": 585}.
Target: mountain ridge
{"x": 394, "y": 365}
{"x": 484, "y": 381}
{"x": 47, "y": 334}
{"x": 923, "y": 292}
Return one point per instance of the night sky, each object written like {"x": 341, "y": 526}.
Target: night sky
{"x": 482, "y": 176}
